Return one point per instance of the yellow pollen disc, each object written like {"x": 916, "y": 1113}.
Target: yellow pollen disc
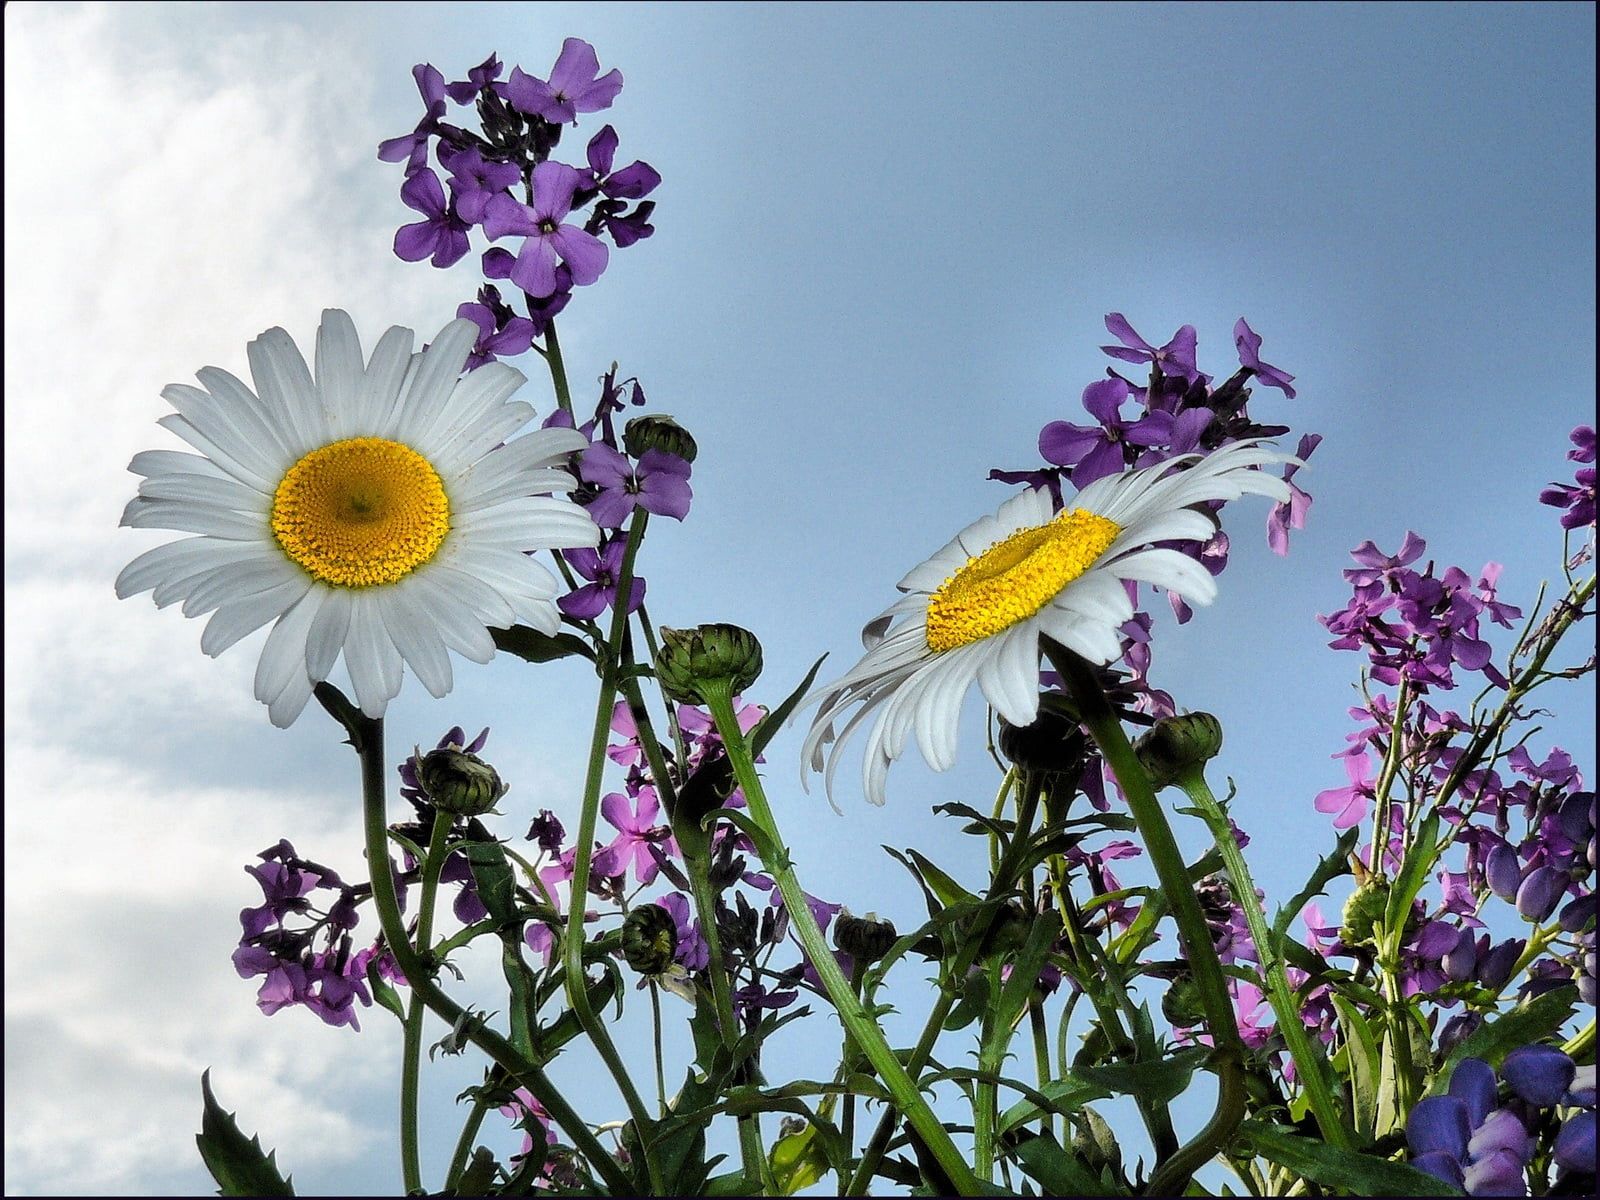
{"x": 360, "y": 513}
{"x": 1015, "y": 578}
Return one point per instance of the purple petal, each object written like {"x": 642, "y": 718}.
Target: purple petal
{"x": 587, "y": 603}
{"x": 553, "y": 185}
{"x": 1438, "y": 1123}
{"x": 1473, "y": 1084}
{"x": 600, "y": 93}
{"x": 535, "y": 269}
{"x": 1105, "y": 459}
{"x": 1539, "y": 1074}
{"x": 1441, "y": 1165}
{"x": 665, "y": 495}
{"x": 416, "y": 242}
{"x": 612, "y": 508}
{"x": 528, "y": 94}
{"x": 576, "y": 66}
{"x": 1574, "y": 1148}
{"x": 604, "y": 466}
{"x": 504, "y": 215}
{"x": 1118, "y": 326}
{"x": 663, "y": 462}
{"x": 1499, "y": 1173}
{"x": 424, "y": 193}
{"x": 582, "y": 251}
{"x": 429, "y": 82}
{"x": 636, "y": 180}
{"x": 615, "y": 809}
{"x": 602, "y": 151}
{"x": 1065, "y": 444}
{"x": 1103, "y": 398}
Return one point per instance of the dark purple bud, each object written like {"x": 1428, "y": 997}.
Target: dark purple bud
{"x": 1462, "y": 960}
{"x": 547, "y": 831}
{"x": 1494, "y": 968}
{"x": 1539, "y": 1074}
{"x": 1540, "y": 892}
{"x": 1575, "y": 1143}
{"x": 1457, "y": 1030}
{"x": 1503, "y": 872}
{"x": 1578, "y": 914}
{"x": 1439, "y": 1123}
{"x": 1473, "y": 1084}
{"x": 1576, "y": 818}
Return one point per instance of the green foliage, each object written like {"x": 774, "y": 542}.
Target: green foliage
{"x": 236, "y": 1162}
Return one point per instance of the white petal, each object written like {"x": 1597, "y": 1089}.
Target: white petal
{"x": 435, "y": 379}
{"x": 380, "y": 386}
{"x": 244, "y": 616}
{"x": 233, "y": 466}
{"x": 268, "y": 423}
{"x": 291, "y": 701}
{"x": 1171, "y": 570}
{"x": 327, "y": 634}
{"x": 232, "y": 428}
{"x": 419, "y": 642}
{"x": 206, "y": 489}
{"x": 283, "y": 658}
{"x": 176, "y": 559}
{"x": 370, "y": 655}
{"x": 1009, "y": 676}
{"x": 187, "y": 517}
{"x": 477, "y": 395}
{"x": 236, "y": 581}
{"x": 174, "y": 462}
{"x": 283, "y": 380}
{"x": 339, "y": 372}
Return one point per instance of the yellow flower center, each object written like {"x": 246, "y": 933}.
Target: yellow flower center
{"x": 362, "y": 512}
{"x": 1015, "y": 578}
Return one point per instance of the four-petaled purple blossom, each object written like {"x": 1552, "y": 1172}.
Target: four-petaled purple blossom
{"x": 412, "y": 148}
{"x": 1176, "y": 358}
{"x": 575, "y": 86}
{"x": 632, "y": 182}
{"x": 495, "y": 340}
{"x": 1578, "y": 499}
{"x": 602, "y": 570}
{"x": 659, "y": 484}
{"x": 475, "y": 180}
{"x": 638, "y": 831}
{"x": 1248, "y": 343}
{"x": 547, "y": 241}
{"x": 478, "y": 78}
{"x": 441, "y": 234}
{"x": 1349, "y": 803}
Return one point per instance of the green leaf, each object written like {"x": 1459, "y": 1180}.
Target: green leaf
{"x": 1058, "y": 1172}
{"x": 1359, "y": 1174}
{"x": 382, "y": 992}
{"x": 496, "y": 884}
{"x": 947, "y": 889}
{"x": 1334, "y": 864}
{"x": 1497, "y": 1037}
{"x": 798, "y": 1161}
{"x": 765, "y": 729}
{"x": 973, "y": 1004}
{"x": 1016, "y": 991}
{"x": 1155, "y": 1082}
{"x": 235, "y": 1162}
{"x": 1065, "y": 1095}
{"x": 478, "y": 1179}
{"x": 536, "y": 647}
{"x": 1363, "y": 1063}
{"x": 1408, "y": 881}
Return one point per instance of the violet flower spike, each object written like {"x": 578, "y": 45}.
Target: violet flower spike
{"x": 575, "y": 86}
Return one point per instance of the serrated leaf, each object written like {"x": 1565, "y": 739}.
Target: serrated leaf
{"x": 496, "y": 884}
{"x": 1155, "y": 1082}
{"x": 765, "y": 729}
{"x": 535, "y": 647}
{"x": 944, "y": 887}
{"x": 236, "y": 1162}
{"x": 478, "y": 1179}
{"x": 1066, "y": 1094}
{"x": 1333, "y": 864}
{"x": 1363, "y": 1063}
{"x": 1055, "y": 1169}
{"x": 1348, "y": 1170}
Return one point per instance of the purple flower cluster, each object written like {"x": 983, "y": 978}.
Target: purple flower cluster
{"x": 1417, "y": 626}
{"x": 1471, "y": 1139}
{"x": 304, "y": 951}
{"x": 501, "y": 180}
{"x": 1577, "y": 499}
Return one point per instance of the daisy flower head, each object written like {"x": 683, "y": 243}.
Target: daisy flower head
{"x": 378, "y": 508}
{"x": 978, "y": 608}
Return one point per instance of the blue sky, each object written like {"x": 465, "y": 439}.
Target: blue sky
{"x": 887, "y": 238}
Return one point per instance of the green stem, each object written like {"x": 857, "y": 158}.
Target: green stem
{"x": 572, "y": 943}
{"x": 661, "y": 1066}
{"x": 862, "y": 1027}
{"x": 1041, "y": 1052}
{"x": 558, "y": 370}
{"x": 411, "y": 1053}
{"x": 1172, "y": 1177}
{"x": 985, "y": 1092}
{"x": 1307, "y": 1062}
{"x": 1380, "y": 791}
{"x": 469, "y": 1133}
{"x": 367, "y": 736}
{"x": 1581, "y": 1043}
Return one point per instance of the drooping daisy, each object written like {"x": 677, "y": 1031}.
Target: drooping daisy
{"x": 977, "y": 609}
{"x": 377, "y": 509}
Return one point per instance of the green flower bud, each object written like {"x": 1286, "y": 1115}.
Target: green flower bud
{"x": 1363, "y": 911}
{"x": 865, "y": 939}
{"x": 653, "y": 432}
{"x": 649, "y": 939}
{"x": 460, "y": 783}
{"x": 1052, "y": 745}
{"x": 1176, "y": 744}
{"x": 707, "y": 655}
{"x": 1181, "y": 1003}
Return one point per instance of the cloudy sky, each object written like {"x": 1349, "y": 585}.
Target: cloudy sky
{"x": 887, "y": 240}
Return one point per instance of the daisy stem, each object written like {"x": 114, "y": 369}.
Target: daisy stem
{"x": 572, "y": 943}
{"x": 1308, "y": 1063}
{"x": 1227, "y": 1058}
{"x": 558, "y": 368}
{"x": 366, "y": 733}
{"x": 411, "y": 1055}
{"x": 857, "y": 1022}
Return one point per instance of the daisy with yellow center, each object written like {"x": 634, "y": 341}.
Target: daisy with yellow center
{"x": 381, "y": 509}
{"x": 976, "y": 610}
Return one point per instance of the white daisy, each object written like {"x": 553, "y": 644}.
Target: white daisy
{"x": 977, "y": 609}
{"x": 377, "y": 509}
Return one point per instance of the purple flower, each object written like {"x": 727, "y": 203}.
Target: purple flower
{"x": 1539, "y": 1074}
{"x": 1292, "y": 515}
{"x": 1177, "y": 357}
{"x": 1349, "y": 803}
{"x": 547, "y": 831}
{"x": 637, "y": 832}
{"x": 632, "y": 182}
{"x": 441, "y": 234}
{"x": 494, "y": 339}
{"x": 413, "y": 147}
{"x": 1540, "y": 892}
{"x": 658, "y": 484}
{"x": 548, "y": 242}
{"x": 475, "y": 180}
{"x": 1248, "y": 342}
{"x": 692, "y": 953}
{"x": 1574, "y": 1149}
{"x": 1092, "y": 451}
{"x": 602, "y": 570}
{"x": 573, "y": 87}
{"x": 478, "y": 78}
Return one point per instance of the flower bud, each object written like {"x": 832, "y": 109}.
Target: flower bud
{"x": 1052, "y": 745}
{"x": 1457, "y": 1030}
{"x": 1177, "y": 744}
{"x": 1575, "y": 1144}
{"x": 658, "y": 432}
{"x": 1503, "y": 872}
{"x": 1363, "y": 911}
{"x": 1461, "y": 961}
{"x": 1539, "y": 1074}
{"x": 1540, "y": 892}
{"x": 649, "y": 939}
{"x": 1578, "y": 914}
{"x": 460, "y": 783}
{"x": 1181, "y": 1003}
{"x": 707, "y": 656}
{"x": 865, "y": 939}
{"x": 1494, "y": 968}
